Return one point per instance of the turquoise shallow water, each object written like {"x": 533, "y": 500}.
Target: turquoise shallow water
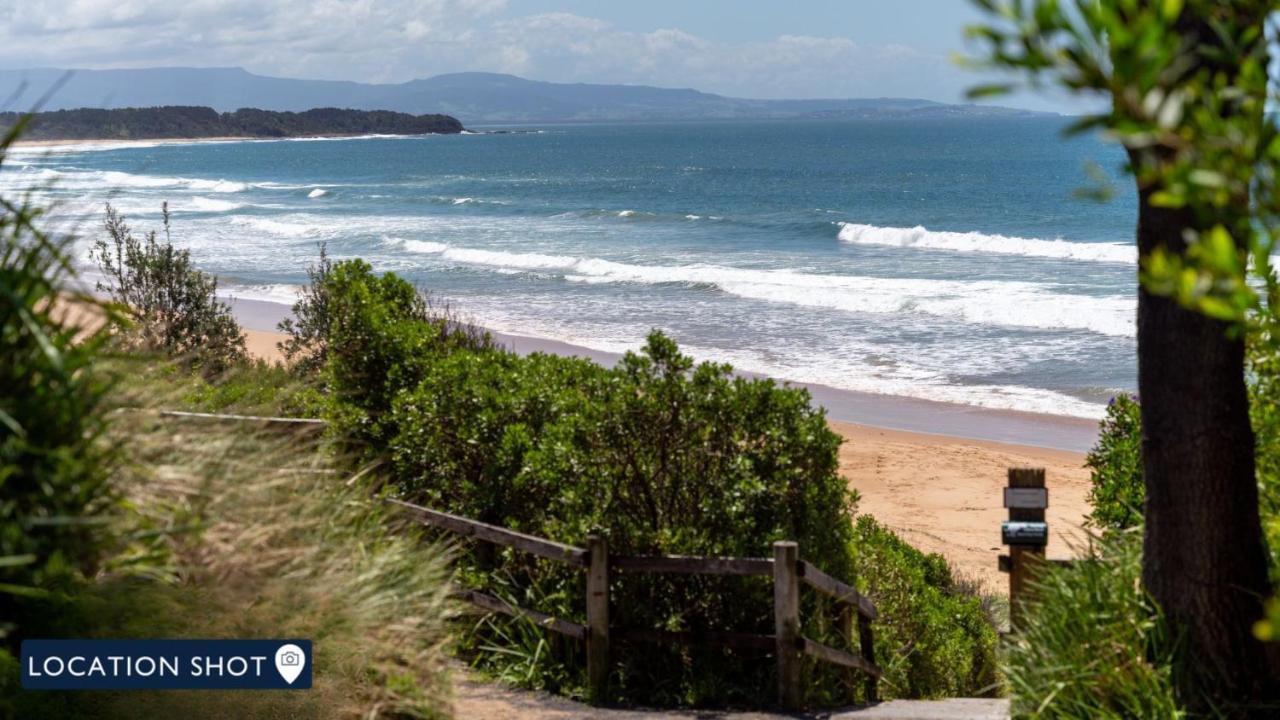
{"x": 942, "y": 259}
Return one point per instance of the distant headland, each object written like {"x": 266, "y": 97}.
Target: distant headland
{"x": 170, "y": 122}
{"x": 474, "y": 97}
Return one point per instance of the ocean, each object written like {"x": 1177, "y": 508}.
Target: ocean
{"x": 941, "y": 259}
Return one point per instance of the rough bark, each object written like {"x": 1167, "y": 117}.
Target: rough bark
{"x": 1204, "y": 558}
{"x": 1203, "y": 553}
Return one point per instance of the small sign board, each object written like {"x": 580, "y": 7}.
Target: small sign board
{"x": 1024, "y": 533}
{"x": 1026, "y": 497}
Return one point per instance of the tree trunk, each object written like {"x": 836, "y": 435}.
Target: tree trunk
{"x": 1203, "y": 553}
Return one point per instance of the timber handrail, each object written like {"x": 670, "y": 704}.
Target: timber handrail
{"x": 243, "y": 418}
{"x": 692, "y": 565}
{"x": 827, "y": 585}
{"x": 838, "y": 657}
{"x": 785, "y": 568}
{"x": 548, "y": 549}
{"x": 498, "y": 605}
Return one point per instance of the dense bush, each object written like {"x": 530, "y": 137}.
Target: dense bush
{"x": 1118, "y": 493}
{"x": 1094, "y": 644}
{"x": 659, "y": 454}
{"x": 174, "y": 305}
{"x": 383, "y": 336}
{"x": 54, "y": 471}
{"x": 934, "y": 638}
{"x": 305, "y": 348}
{"x": 1116, "y": 467}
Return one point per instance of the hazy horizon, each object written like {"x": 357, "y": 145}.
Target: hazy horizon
{"x": 832, "y": 50}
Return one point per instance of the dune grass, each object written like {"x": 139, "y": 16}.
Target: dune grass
{"x": 241, "y": 531}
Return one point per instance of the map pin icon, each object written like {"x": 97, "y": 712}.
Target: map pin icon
{"x": 290, "y": 660}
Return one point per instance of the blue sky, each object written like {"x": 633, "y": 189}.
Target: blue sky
{"x": 744, "y": 48}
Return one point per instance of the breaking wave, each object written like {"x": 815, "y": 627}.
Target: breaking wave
{"x": 993, "y": 302}
{"x": 976, "y": 242}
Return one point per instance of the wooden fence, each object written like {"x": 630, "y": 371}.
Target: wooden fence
{"x": 786, "y": 568}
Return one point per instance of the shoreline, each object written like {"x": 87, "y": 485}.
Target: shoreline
{"x": 940, "y": 490}
{"x": 889, "y": 412}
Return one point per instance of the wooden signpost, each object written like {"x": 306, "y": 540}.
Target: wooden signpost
{"x": 1026, "y": 532}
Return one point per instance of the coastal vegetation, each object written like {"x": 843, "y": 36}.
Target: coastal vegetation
{"x": 659, "y": 454}
{"x": 116, "y": 521}
{"x": 150, "y": 123}
{"x": 55, "y": 469}
{"x": 175, "y": 527}
{"x": 1188, "y": 87}
{"x": 174, "y": 307}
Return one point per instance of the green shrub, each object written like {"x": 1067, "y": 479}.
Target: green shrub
{"x": 934, "y": 638}
{"x": 660, "y": 455}
{"x": 383, "y": 336}
{"x": 1115, "y": 463}
{"x": 54, "y": 471}
{"x": 1117, "y": 494}
{"x": 175, "y": 306}
{"x": 1264, "y": 412}
{"x": 305, "y": 349}
{"x": 1092, "y": 643}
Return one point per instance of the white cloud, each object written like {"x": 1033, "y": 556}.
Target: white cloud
{"x": 397, "y": 40}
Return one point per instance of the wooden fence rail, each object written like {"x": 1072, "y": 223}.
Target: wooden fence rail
{"x": 786, "y": 568}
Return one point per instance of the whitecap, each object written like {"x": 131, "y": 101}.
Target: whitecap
{"x": 976, "y": 242}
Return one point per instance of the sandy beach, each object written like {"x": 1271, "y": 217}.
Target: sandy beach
{"x": 942, "y": 492}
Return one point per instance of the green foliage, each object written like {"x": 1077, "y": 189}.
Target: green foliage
{"x": 254, "y": 531}
{"x": 659, "y": 454}
{"x": 305, "y": 349}
{"x": 383, "y": 335}
{"x": 175, "y": 306}
{"x": 1092, "y": 643}
{"x": 1115, "y": 463}
{"x": 935, "y": 639}
{"x": 54, "y": 471}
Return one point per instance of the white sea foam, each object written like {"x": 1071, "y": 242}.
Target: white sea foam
{"x": 975, "y": 242}
{"x": 278, "y": 227}
{"x": 204, "y": 204}
{"x": 318, "y": 192}
{"x": 425, "y": 247}
{"x": 114, "y": 180}
{"x": 277, "y": 293}
{"x": 847, "y": 371}
{"x": 993, "y": 302}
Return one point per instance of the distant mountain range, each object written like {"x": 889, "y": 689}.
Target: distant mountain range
{"x": 473, "y": 98}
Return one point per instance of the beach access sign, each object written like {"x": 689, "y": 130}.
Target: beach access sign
{"x": 166, "y": 664}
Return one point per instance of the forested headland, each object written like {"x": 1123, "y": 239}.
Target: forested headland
{"x": 203, "y": 122}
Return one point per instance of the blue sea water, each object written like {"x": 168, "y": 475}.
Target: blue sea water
{"x": 940, "y": 259}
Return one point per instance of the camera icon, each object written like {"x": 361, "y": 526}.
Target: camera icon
{"x": 290, "y": 659}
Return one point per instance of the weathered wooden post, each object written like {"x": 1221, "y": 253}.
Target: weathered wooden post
{"x": 867, "y": 644}
{"x": 598, "y": 618}
{"x": 846, "y": 628}
{"x": 1026, "y": 532}
{"x": 786, "y": 621}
